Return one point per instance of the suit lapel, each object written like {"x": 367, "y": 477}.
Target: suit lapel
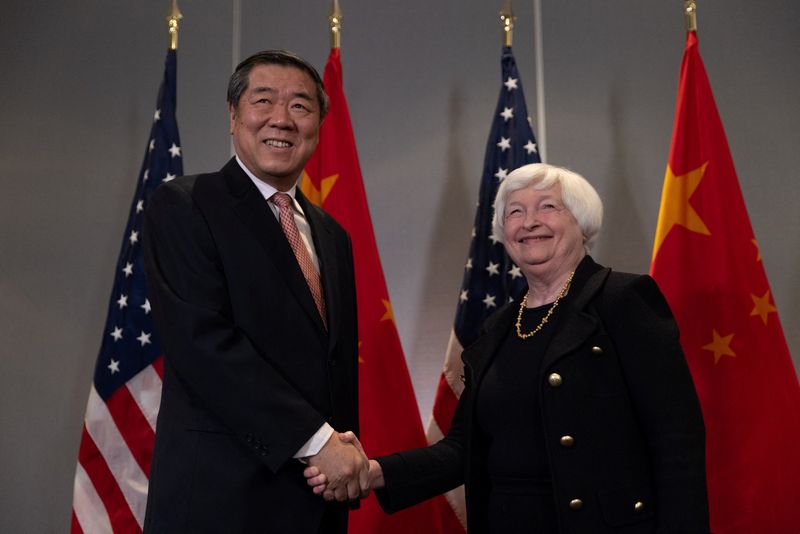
{"x": 252, "y": 209}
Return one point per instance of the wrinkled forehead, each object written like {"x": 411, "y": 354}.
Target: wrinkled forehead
{"x": 535, "y": 191}
{"x": 277, "y": 76}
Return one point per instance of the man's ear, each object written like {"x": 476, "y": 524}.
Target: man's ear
{"x": 232, "y": 114}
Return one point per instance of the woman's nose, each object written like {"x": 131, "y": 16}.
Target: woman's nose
{"x": 531, "y": 219}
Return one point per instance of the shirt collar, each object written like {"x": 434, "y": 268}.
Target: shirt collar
{"x": 267, "y": 190}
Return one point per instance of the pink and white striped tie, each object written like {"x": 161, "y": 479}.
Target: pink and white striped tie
{"x": 286, "y": 216}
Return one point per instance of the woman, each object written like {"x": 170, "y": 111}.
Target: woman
{"x": 579, "y": 414}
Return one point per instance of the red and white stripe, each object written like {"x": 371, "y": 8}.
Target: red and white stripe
{"x": 111, "y": 477}
{"x": 450, "y": 388}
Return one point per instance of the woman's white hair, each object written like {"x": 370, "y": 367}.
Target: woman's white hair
{"x": 577, "y": 194}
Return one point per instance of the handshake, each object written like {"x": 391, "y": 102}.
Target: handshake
{"x": 341, "y": 471}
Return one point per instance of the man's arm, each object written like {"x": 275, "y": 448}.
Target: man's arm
{"x": 213, "y": 359}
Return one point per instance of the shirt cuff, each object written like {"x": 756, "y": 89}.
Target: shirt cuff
{"x": 315, "y": 442}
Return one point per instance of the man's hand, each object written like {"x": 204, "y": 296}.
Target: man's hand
{"x": 345, "y": 467}
{"x": 319, "y": 480}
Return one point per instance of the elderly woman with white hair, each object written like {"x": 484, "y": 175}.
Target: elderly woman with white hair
{"x": 579, "y": 414}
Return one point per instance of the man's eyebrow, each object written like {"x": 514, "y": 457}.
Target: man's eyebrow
{"x": 303, "y": 95}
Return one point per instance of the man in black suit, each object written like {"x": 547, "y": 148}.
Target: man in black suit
{"x": 253, "y": 294}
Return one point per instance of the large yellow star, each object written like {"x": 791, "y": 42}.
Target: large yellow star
{"x": 389, "y": 315}
{"x": 317, "y": 195}
{"x": 721, "y": 346}
{"x": 675, "y": 207}
{"x": 762, "y": 306}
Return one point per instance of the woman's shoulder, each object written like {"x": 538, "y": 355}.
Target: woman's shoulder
{"x": 618, "y": 282}
{"x": 633, "y": 291}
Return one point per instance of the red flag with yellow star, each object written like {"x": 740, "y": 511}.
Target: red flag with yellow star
{"x": 389, "y": 415}
{"x": 707, "y": 263}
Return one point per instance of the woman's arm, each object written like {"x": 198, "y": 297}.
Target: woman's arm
{"x": 646, "y": 338}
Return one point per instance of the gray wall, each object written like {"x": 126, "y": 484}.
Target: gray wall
{"x": 79, "y": 83}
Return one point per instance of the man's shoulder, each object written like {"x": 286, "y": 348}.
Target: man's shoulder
{"x": 189, "y": 185}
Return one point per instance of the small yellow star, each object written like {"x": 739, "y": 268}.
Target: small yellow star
{"x": 317, "y": 195}
{"x": 389, "y": 315}
{"x": 360, "y": 359}
{"x": 721, "y": 346}
{"x": 762, "y": 306}
{"x": 758, "y": 250}
{"x": 675, "y": 208}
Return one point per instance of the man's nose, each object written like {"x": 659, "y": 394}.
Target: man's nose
{"x": 280, "y": 118}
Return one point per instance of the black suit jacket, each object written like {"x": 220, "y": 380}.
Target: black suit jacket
{"x": 623, "y": 393}
{"x": 250, "y": 372}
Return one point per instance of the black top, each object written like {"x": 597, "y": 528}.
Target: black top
{"x": 508, "y": 407}
{"x": 507, "y": 411}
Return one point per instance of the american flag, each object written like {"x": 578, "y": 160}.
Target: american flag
{"x": 490, "y": 278}
{"x": 111, "y": 477}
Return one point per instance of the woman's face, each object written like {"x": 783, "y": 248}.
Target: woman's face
{"x": 541, "y": 236}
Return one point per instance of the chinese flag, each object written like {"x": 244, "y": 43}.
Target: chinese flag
{"x": 707, "y": 263}
{"x": 390, "y": 418}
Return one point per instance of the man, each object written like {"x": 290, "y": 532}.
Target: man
{"x": 253, "y": 294}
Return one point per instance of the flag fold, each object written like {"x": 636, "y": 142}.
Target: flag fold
{"x": 111, "y": 478}
{"x": 490, "y": 278}
{"x": 707, "y": 263}
{"x": 389, "y": 416}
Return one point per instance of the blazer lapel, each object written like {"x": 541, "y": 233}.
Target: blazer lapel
{"x": 578, "y": 324}
{"x": 479, "y": 355}
{"x": 257, "y": 216}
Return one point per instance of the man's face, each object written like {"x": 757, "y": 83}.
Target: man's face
{"x": 275, "y": 125}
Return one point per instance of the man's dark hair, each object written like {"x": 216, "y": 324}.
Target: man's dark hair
{"x": 238, "y": 82}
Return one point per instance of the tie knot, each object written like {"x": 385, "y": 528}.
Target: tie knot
{"x": 281, "y": 199}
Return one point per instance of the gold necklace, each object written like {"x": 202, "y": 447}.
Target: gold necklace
{"x": 546, "y": 317}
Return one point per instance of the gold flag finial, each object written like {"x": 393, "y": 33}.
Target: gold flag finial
{"x": 335, "y": 21}
{"x": 507, "y": 19}
{"x": 172, "y": 21}
{"x": 690, "y": 12}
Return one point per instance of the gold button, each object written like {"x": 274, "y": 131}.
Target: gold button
{"x": 639, "y": 506}
{"x": 597, "y": 350}
{"x": 567, "y": 441}
{"x": 576, "y": 504}
{"x": 555, "y": 380}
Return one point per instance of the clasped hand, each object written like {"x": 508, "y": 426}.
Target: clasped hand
{"x": 343, "y": 472}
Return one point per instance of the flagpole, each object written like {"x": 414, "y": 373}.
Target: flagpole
{"x": 539, "y": 53}
{"x": 690, "y": 12}
{"x": 236, "y": 33}
{"x": 236, "y": 46}
{"x": 335, "y": 21}
{"x": 507, "y": 20}
{"x": 173, "y": 20}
